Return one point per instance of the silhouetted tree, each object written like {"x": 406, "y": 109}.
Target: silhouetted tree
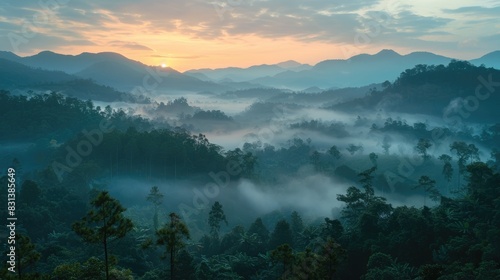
{"x": 215, "y": 218}
{"x": 172, "y": 236}
{"x": 296, "y": 225}
{"x": 447, "y": 167}
{"x": 105, "y": 221}
{"x": 429, "y": 186}
{"x": 422, "y": 146}
{"x": 334, "y": 152}
{"x": 155, "y": 197}
{"x": 352, "y": 149}
{"x": 283, "y": 254}
{"x": 282, "y": 234}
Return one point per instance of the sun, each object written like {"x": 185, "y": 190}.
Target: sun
{"x": 163, "y": 65}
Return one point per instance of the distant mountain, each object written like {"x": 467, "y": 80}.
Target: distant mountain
{"x": 359, "y": 70}
{"x": 294, "y": 65}
{"x": 14, "y": 75}
{"x": 491, "y": 59}
{"x": 121, "y": 73}
{"x": 115, "y": 70}
{"x": 72, "y": 64}
{"x": 235, "y": 74}
{"x": 10, "y": 56}
{"x": 312, "y": 90}
{"x": 151, "y": 79}
{"x": 17, "y": 76}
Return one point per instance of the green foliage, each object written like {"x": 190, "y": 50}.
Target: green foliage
{"x": 283, "y": 254}
{"x": 465, "y": 153}
{"x": 156, "y": 198}
{"x": 103, "y": 223}
{"x": 422, "y": 146}
{"x": 447, "y": 167}
{"x": 282, "y": 234}
{"x": 362, "y": 206}
{"x": 334, "y": 152}
{"x": 244, "y": 162}
{"x": 261, "y": 233}
{"x": 429, "y": 186}
{"x": 296, "y": 225}
{"x": 382, "y": 266}
{"x": 215, "y": 218}
{"x": 172, "y": 236}
{"x": 92, "y": 269}
{"x": 352, "y": 149}
{"x": 30, "y": 193}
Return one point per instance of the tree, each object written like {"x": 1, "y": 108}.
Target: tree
{"x": 495, "y": 156}
{"x": 429, "y": 186}
{"x": 330, "y": 255}
{"x": 283, "y": 253}
{"x": 352, "y": 149}
{"x": 282, "y": 234}
{"x": 363, "y": 203}
{"x": 30, "y": 193}
{"x": 215, "y": 218}
{"x": 103, "y": 223}
{"x": 172, "y": 236}
{"x": 422, "y": 146}
{"x": 259, "y": 229}
{"x": 373, "y": 158}
{"x": 245, "y": 161}
{"x": 297, "y": 226}
{"x": 464, "y": 152}
{"x": 447, "y": 167}
{"x": 316, "y": 160}
{"x": 334, "y": 152}
{"x": 332, "y": 229}
{"x": 186, "y": 267}
{"x": 155, "y": 197}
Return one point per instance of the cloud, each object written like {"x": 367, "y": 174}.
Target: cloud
{"x": 177, "y": 56}
{"x": 475, "y": 10}
{"x": 129, "y": 45}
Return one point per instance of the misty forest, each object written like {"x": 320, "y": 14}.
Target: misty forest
{"x": 382, "y": 166}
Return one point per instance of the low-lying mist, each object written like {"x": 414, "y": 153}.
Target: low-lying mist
{"x": 312, "y": 194}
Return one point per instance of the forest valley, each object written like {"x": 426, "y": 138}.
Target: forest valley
{"x": 125, "y": 210}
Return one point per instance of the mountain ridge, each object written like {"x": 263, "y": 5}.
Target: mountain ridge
{"x": 118, "y": 71}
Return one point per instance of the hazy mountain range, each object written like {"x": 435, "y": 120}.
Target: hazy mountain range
{"x": 117, "y": 71}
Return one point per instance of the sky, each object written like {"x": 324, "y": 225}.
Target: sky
{"x": 193, "y": 34}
